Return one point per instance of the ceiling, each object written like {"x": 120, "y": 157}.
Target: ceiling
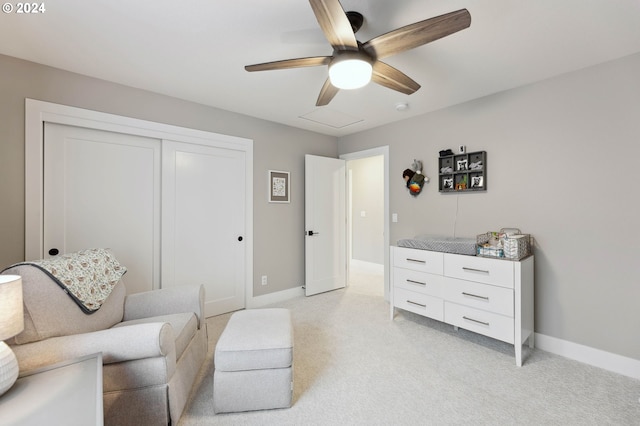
{"x": 196, "y": 50}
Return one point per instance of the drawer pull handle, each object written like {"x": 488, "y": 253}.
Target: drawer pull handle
{"x": 416, "y": 282}
{"x": 416, "y": 260}
{"x": 417, "y": 304}
{"x": 464, "y": 268}
{"x": 477, "y": 321}
{"x": 476, "y": 296}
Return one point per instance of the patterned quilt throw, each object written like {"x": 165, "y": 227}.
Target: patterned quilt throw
{"x": 87, "y": 276}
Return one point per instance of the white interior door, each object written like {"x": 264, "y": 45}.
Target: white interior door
{"x": 102, "y": 189}
{"x": 325, "y": 224}
{"x": 203, "y": 222}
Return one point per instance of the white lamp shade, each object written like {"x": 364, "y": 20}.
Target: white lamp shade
{"x": 11, "y": 312}
{"x": 350, "y": 70}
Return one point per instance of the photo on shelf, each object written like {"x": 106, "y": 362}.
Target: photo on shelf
{"x": 462, "y": 165}
{"x": 477, "y": 182}
{"x": 447, "y": 183}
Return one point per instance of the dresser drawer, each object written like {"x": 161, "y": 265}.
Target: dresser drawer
{"x": 480, "y": 296}
{"x": 479, "y": 269}
{"x": 418, "y": 260}
{"x": 482, "y": 322}
{"x": 420, "y": 282}
{"x": 419, "y": 303}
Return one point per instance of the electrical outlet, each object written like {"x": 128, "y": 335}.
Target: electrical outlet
{"x": 264, "y": 280}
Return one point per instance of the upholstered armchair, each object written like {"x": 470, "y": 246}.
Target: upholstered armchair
{"x": 153, "y": 344}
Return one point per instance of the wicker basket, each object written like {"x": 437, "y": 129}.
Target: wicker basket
{"x": 517, "y": 246}
{"x": 508, "y": 243}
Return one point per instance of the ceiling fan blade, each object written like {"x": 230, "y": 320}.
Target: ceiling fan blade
{"x": 290, "y": 63}
{"x": 387, "y": 76}
{"x": 327, "y": 93}
{"x": 335, "y": 24}
{"x": 417, "y": 34}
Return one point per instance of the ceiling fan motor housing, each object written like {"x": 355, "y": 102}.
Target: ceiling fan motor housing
{"x": 355, "y": 19}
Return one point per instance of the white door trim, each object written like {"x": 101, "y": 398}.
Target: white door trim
{"x": 39, "y": 112}
{"x": 373, "y": 152}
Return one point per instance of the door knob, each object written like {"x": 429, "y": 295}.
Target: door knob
{"x": 54, "y": 252}
{"x": 240, "y": 238}
{"x": 311, "y": 233}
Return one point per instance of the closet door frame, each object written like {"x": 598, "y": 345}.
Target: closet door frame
{"x": 39, "y": 112}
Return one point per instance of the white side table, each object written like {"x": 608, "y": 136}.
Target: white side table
{"x": 68, "y": 393}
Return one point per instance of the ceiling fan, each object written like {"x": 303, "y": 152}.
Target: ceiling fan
{"x": 354, "y": 64}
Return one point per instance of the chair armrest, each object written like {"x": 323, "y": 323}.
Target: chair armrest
{"x": 118, "y": 344}
{"x": 165, "y": 302}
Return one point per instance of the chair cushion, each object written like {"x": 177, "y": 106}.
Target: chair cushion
{"x": 50, "y": 312}
{"x": 184, "y": 327}
{"x": 256, "y": 339}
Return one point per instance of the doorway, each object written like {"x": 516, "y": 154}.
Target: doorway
{"x": 368, "y": 221}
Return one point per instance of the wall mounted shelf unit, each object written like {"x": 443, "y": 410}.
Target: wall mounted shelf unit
{"x": 463, "y": 172}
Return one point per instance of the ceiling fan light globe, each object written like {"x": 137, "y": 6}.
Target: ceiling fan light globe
{"x": 350, "y": 73}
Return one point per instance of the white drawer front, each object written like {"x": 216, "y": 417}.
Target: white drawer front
{"x": 419, "y": 303}
{"x": 481, "y": 296}
{"x": 420, "y": 282}
{"x": 482, "y": 322}
{"x": 480, "y": 269}
{"x": 418, "y": 260}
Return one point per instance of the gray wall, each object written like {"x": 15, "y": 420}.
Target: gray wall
{"x": 367, "y": 195}
{"x": 278, "y": 228}
{"x": 563, "y": 161}
{"x": 562, "y": 165}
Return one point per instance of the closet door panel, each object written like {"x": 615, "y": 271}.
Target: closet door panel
{"x": 203, "y": 222}
{"x": 102, "y": 189}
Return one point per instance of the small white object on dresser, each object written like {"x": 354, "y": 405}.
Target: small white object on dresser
{"x": 493, "y": 297}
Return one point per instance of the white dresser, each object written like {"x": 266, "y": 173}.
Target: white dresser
{"x": 493, "y": 297}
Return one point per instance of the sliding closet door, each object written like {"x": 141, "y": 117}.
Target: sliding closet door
{"x": 203, "y": 222}
{"x": 102, "y": 189}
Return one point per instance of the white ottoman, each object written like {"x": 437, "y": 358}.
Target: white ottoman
{"x": 254, "y": 362}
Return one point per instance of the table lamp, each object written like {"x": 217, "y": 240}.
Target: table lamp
{"x": 11, "y": 324}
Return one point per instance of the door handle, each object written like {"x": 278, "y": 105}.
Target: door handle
{"x": 311, "y": 233}
{"x": 54, "y": 252}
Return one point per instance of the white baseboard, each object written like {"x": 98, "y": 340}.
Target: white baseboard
{"x": 598, "y": 358}
{"x": 278, "y": 296}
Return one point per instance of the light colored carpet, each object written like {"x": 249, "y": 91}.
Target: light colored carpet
{"x": 354, "y": 366}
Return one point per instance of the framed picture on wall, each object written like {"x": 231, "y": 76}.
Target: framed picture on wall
{"x": 477, "y": 181}
{"x": 278, "y": 186}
